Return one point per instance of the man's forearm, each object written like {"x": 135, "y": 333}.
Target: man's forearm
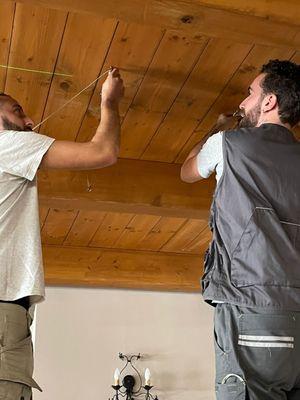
{"x": 108, "y": 131}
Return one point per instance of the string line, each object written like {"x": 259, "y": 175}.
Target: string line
{"x": 69, "y": 101}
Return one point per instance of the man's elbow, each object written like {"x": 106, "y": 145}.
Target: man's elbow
{"x": 187, "y": 176}
{"x": 187, "y": 179}
{"x": 112, "y": 159}
{"x": 107, "y": 159}
{"x": 184, "y": 177}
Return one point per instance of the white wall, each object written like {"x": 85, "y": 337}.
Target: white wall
{"x": 80, "y": 331}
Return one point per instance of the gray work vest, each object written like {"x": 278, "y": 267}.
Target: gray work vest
{"x": 254, "y": 257}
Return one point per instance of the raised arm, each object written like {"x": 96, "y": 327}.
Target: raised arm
{"x": 189, "y": 170}
{"x": 103, "y": 149}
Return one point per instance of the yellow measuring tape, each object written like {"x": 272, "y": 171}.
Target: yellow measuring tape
{"x": 34, "y": 70}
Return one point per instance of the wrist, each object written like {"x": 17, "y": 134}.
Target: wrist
{"x": 109, "y": 104}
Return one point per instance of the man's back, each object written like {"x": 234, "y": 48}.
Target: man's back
{"x": 256, "y": 220}
{"x": 21, "y": 259}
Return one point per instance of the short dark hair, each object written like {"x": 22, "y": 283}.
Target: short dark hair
{"x": 283, "y": 79}
{"x": 3, "y": 98}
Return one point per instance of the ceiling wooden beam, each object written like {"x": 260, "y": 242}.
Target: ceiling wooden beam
{"x": 78, "y": 266}
{"x": 131, "y": 186}
{"x": 276, "y": 10}
{"x": 264, "y": 22}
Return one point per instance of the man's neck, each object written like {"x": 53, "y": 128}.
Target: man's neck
{"x": 272, "y": 121}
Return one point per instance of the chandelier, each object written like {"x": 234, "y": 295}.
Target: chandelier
{"x": 127, "y": 388}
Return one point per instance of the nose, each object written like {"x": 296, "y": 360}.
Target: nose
{"x": 242, "y": 105}
{"x": 28, "y": 122}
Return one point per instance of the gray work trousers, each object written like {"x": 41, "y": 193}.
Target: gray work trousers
{"x": 257, "y": 353}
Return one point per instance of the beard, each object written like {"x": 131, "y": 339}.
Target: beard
{"x": 11, "y": 126}
{"x": 251, "y": 118}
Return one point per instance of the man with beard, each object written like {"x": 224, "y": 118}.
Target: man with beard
{"x": 252, "y": 267}
{"x": 22, "y": 152}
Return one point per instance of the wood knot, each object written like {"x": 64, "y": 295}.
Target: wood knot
{"x": 247, "y": 68}
{"x": 65, "y": 86}
{"x": 187, "y": 19}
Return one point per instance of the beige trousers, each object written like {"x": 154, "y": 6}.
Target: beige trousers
{"x": 16, "y": 355}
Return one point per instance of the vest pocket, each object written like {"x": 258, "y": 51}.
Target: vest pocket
{"x": 268, "y": 252}
{"x": 209, "y": 260}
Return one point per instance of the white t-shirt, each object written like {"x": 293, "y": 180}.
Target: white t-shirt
{"x": 21, "y": 268}
{"x": 210, "y": 157}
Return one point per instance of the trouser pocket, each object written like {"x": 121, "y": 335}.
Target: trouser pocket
{"x": 17, "y": 363}
{"x": 14, "y": 391}
{"x": 232, "y": 387}
{"x": 16, "y": 353}
{"x": 266, "y": 347}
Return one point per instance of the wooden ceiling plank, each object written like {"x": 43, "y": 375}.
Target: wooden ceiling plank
{"x": 7, "y": 14}
{"x": 296, "y": 57}
{"x": 85, "y": 43}
{"x": 57, "y": 226}
{"x": 161, "y": 233}
{"x": 130, "y": 54}
{"x": 132, "y": 186}
{"x": 135, "y": 231}
{"x": 43, "y": 212}
{"x": 171, "y": 66}
{"x": 212, "y": 72}
{"x": 184, "y": 236}
{"x": 110, "y": 229}
{"x": 36, "y": 39}
{"x": 84, "y": 228}
{"x": 71, "y": 266}
{"x": 263, "y": 23}
{"x": 194, "y": 138}
{"x": 169, "y": 69}
{"x": 200, "y": 243}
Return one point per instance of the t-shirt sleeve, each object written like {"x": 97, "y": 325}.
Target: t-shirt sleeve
{"x": 21, "y": 152}
{"x": 210, "y": 155}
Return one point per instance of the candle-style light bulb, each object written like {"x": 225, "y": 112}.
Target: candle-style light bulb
{"x": 147, "y": 377}
{"x": 117, "y": 377}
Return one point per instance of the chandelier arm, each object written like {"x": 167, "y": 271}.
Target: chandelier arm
{"x": 140, "y": 378}
{"x": 149, "y": 396}
{"x": 127, "y": 362}
{"x": 136, "y": 356}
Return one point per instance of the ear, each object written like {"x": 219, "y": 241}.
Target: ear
{"x": 269, "y": 103}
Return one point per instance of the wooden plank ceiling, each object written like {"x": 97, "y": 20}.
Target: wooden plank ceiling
{"x": 135, "y": 224}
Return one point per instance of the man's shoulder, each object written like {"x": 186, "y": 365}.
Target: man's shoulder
{"x": 216, "y": 138}
{"x": 239, "y": 133}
